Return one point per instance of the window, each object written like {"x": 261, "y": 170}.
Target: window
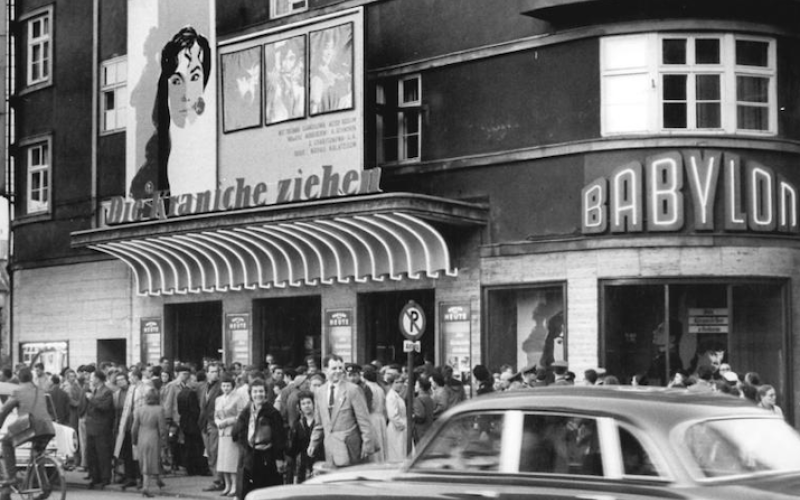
{"x": 400, "y": 120}
{"x": 280, "y": 8}
{"x": 467, "y": 443}
{"x": 38, "y": 161}
{"x": 672, "y": 83}
{"x": 113, "y": 94}
{"x": 39, "y": 49}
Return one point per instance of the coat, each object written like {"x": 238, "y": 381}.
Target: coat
{"x": 397, "y": 428}
{"x": 345, "y": 429}
{"x": 133, "y": 399}
{"x": 28, "y": 398}
{"x": 208, "y": 400}
{"x": 100, "y": 413}
{"x": 148, "y": 433}
{"x": 60, "y": 401}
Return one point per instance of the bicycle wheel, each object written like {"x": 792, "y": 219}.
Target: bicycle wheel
{"x": 45, "y": 479}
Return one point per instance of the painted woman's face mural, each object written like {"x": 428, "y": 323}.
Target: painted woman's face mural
{"x": 186, "y": 87}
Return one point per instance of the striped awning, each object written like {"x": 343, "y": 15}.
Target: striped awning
{"x": 364, "y": 243}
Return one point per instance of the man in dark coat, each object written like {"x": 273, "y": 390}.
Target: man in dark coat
{"x": 99, "y": 431}
{"x": 60, "y": 401}
{"x": 189, "y": 414}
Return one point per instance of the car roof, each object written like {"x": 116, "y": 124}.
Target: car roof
{"x": 666, "y": 406}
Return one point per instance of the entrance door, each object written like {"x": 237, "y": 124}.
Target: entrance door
{"x": 112, "y": 350}
{"x": 380, "y": 326}
{"x": 288, "y": 328}
{"x": 193, "y": 331}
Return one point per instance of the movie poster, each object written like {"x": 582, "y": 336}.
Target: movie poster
{"x": 241, "y": 89}
{"x": 172, "y": 122}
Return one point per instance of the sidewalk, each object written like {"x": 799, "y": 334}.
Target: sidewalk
{"x": 176, "y": 486}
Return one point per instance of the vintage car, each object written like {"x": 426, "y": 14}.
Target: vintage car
{"x": 63, "y": 445}
{"x": 584, "y": 443}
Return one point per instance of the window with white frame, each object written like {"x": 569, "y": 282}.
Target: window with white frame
{"x": 399, "y": 121}
{"x": 678, "y": 82}
{"x": 39, "y": 45}
{"x": 280, "y": 8}
{"x": 113, "y": 94}
{"x": 38, "y": 160}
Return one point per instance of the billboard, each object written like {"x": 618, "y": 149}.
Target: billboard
{"x": 172, "y": 119}
{"x": 291, "y": 99}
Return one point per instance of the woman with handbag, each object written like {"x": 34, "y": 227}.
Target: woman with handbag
{"x": 148, "y": 432}
{"x": 226, "y": 411}
{"x": 261, "y": 436}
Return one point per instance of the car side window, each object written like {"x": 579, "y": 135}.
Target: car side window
{"x": 467, "y": 443}
{"x": 560, "y": 444}
{"x": 635, "y": 459}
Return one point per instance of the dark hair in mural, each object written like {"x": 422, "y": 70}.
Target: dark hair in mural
{"x": 152, "y": 176}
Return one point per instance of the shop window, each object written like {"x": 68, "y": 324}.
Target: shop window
{"x": 38, "y": 167}
{"x": 113, "y": 94}
{"x": 39, "y": 48}
{"x": 399, "y": 120}
{"x": 709, "y": 324}
{"x": 281, "y": 8}
{"x": 668, "y": 83}
{"x": 525, "y": 326}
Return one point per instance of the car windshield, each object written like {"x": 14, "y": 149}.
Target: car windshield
{"x": 735, "y": 447}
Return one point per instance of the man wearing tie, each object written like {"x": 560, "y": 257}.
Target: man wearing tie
{"x": 342, "y": 418}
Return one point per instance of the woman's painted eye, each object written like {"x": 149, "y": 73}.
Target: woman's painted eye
{"x": 195, "y": 77}
{"x": 175, "y": 80}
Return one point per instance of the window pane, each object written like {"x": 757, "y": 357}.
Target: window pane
{"x": 708, "y": 87}
{"x": 36, "y": 29}
{"x": 674, "y": 115}
{"x": 752, "y": 118}
{"x": 467, "y": 443}
{"x": 108, "y": 100}
{"x": 674, "y": 51}
{"x": 36, "y": 183}
{"x": 635, "y": 459}
{"x": 675, "y": 87}
{"x": 750, "y": 53}
{"x": 706, "y": 51}
{"x": 411, "y": 90}
{"x": 411, "y": 122}
{"x": 412, "y": 147}
{"x": 560, "y": 445}
{"x": 36, "y": 158}
{"x": 45, "y": 155}
{"x": 708, "y": 115}
{"x": 752, "y": 89}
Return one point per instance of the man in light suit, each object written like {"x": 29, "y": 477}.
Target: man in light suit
{"x": 342, "y": 418}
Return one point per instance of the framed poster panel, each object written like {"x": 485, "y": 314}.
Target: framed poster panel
{"x": 54, "y": 355}
{"x": 237, "y": 335}
{"x": 151, "y": 329}
{"x": 241, "y": 89}
{"x": 285, "y": 63}
{"x": 339, "y": 327}
{"x": 331, "y": 69}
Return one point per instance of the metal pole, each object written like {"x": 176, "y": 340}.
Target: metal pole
{"x": 410, "y": 402}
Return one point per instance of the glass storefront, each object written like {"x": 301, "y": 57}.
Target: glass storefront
{"x": 525, "y": 326}
{"x": 288, "y": 328}
{"x": 742, "y": 323}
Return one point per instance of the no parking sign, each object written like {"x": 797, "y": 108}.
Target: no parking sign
{"x": 412, "y": 321}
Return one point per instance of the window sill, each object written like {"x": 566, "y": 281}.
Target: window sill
{"x": 31, "y": 218}
{"x": 104, "y": 133}
{"x": 35, "y": 87}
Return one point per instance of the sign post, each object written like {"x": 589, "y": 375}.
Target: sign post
{"x": 412, "y": 326}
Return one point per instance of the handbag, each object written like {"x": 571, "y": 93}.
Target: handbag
{"x": 24, "y": 427}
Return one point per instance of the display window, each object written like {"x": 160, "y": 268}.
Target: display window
{"x": 655, "y": 329}
{"x": 525, "y": 326}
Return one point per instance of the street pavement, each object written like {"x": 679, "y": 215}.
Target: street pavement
{"x": 176, "y": 486}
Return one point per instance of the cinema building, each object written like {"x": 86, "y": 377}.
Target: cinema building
{"x": 568, "y": 177}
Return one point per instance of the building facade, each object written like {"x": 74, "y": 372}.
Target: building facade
{"x": 588, "y": 180}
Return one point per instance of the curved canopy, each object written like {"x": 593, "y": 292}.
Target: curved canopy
{"x": 355, "y": 246}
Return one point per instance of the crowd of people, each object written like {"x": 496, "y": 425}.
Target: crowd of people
{"x": 245, "y": 427}
{"x": 255, "y": 426}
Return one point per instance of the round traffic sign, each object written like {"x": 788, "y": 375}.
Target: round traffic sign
{"x": 412, "y": 321}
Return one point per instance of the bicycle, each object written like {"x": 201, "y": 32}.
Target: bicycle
{"x": 42, "y": 476}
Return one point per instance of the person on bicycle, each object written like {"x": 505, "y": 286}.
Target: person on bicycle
{"x": 27, "y": 399}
